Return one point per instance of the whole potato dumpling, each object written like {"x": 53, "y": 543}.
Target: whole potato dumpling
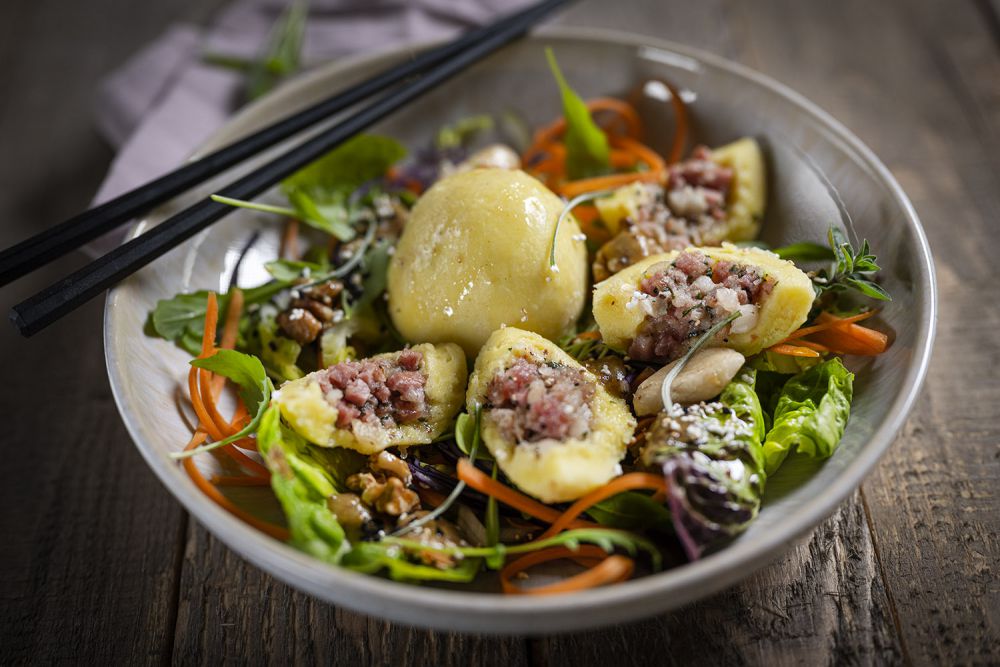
{"x": 474, "y": 257}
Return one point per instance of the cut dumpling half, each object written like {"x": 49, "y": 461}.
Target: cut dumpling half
{"x": 552, "y": 427}
{"x": 655, "y": 309}
{"x": 394, "y": 399}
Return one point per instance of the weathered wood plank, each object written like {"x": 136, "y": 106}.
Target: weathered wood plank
{"x": 91, "y": 540}
{"x": 918, "y": 82}
{"x": 231, "y": 611}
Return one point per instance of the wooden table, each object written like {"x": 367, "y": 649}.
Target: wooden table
{"x": 100, "y": 564}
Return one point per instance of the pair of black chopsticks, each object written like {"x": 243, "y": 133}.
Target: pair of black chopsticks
{"x": 417, "y": 77}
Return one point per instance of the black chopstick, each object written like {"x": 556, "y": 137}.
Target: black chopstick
{"x": 49, "y": 245}
{"x": 61, "y": 298}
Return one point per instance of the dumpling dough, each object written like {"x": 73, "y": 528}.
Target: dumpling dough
{"x": 551, "y": 470}
{"x": 781, "y": 312}
{"x": 747, "y": 194}
{"x": 306, "y": 410}
{"x": 474, "y": 256}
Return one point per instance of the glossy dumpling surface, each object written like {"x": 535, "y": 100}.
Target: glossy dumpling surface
{"x": 474, "y": 256}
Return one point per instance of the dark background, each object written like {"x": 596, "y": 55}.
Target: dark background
{"x": 99, "y": 563}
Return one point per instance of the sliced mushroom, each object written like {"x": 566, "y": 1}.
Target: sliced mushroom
{"x": 704, "y": 377}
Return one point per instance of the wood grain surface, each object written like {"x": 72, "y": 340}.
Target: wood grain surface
{"x": 100, "y": 565}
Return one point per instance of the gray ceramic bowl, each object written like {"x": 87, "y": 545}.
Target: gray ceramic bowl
{"x": 819, "y": 174}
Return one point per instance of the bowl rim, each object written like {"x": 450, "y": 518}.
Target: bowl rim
{"x": 494, "y": 613}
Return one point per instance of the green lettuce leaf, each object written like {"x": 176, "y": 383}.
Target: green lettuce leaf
{"x": 631, "y": 511}
{"x": 288, "y": 270}
{"x": 181, "y": 319}
{"x": 303, "y": 488}
{"x": 350, "y": 165}
{"x": 278, "y": 353}
{"x": 811, "y": 413}
{"x": 253, "y": 386}
{"x": 321, "y": 192}
{"x": 587, "y": 151}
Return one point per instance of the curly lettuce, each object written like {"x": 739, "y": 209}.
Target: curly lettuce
{"x": 811, "y": 413}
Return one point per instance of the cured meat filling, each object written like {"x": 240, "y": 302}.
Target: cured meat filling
{"x": 384, "y": 392}
{"x": 684, "y": 213}
{"x": 687, "y": 297}
{"x": 540, "y": 401}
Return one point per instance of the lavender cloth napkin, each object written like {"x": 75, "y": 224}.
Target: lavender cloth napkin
{"x": 163, "y": 102}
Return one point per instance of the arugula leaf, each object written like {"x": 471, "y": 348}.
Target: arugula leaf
{"x": 631, "y": 511}
{"x": 303, "y": 488}
{"x": 253, "y": 386}
{"x": 181, "y": 319}
{"x": 283, "y": 55}
{"x": 347, "y": 167}
{"x": 289, "y": 270}
{"x": 811, "y": 413}
{"x": 587, "y": 151}
{"x": 326, "y": 211}
{"x": 280, "y": 58}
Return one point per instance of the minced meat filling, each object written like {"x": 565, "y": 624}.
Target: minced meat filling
{"x": 687, "y": 297}
{"x": 682, "y": 214}
{"x": 377, "y": 391}
{"x": 697, "y": 188}
{"x": 533, "y": 401}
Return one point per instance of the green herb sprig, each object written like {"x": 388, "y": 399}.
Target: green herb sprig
{"x": 852, "y": 270}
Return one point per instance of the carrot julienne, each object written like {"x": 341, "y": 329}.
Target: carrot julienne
{"x": 793, "y": 350}
{"x": 483, "y": 483}
{"x": 605, "y": 569}
{"x": 633, "y": 480}
{"x": 202, "y": 386}
{"x": 816, "y": 328}
{"x": 574, "y": 188}
{"x": 277, "y": 532}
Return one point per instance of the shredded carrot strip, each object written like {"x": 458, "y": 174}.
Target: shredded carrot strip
{"x": 551, "y": 132}
{"x": 289, "y": 248}
{"x": 199, "y": 480}
{"x": 811, "y": 345}
{"x": 240, "y": 480}
{"x": 206, "y": 381}
{"x": 828, "y": 324}
{"x": 574, "y": 188}
{"x": 589, "y": 335}
{"x": 483, "y": 483}
{"x": 641, "y": 152}
{"x": 233, "y": 312}
{"x": 205, "y": 419}
{"x": 793, "y": 350}
{"x": 875, "y": 341}
{"x": 633, "y": 480}
{"x": 610, "y": 569}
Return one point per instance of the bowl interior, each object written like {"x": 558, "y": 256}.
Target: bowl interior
{"x": 818, "y": 175}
